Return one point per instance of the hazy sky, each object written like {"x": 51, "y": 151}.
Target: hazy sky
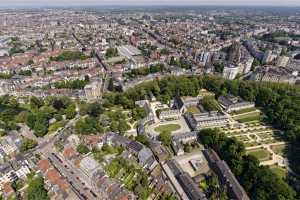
{"x": 150, "y": 2}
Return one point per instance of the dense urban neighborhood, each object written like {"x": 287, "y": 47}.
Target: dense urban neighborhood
{"x": 150, "y": 103}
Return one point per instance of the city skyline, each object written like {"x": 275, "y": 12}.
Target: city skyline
{"x": 148, "y": 2}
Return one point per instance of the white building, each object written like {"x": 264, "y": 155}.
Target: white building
{"x": 9, "y": 146}
{"x": 93, "y": 90}
{"x": 282, "y": 61}
{"x": 204, "y": 58}
{"x": 206, "y": 120}
{"x": 231, "y": 71}
{"x": 169, "y": 114}
{"x": 13, "y": 175}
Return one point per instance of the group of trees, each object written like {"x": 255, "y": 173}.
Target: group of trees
{"x": 6, "y": 75}
{"x": 143, "y": 139}
{"x": 36, "y": 190}
{"x": 25, "y": 72}
{"x": 165, "y": 138}
{"x": 99, "y": 120}
{"x": 146, "y": 70}
{"x": 88, "y": 125}
{"x": 40, "y": 111}
{"x": 82, "y": 149}
{"x": 9, "y": 108}
{"x": 147, "y": 49}
{"x": 72, "y": 84}
{"x": 182, "y": 63}
{"x": 138, "y": 113}
{"x": 213, "y": 188}
{"x": 111, "y": 52}
{"x": 259, "y": 181}
{"x": 188, "y": 147}
{"x": 69, "y": 56}
{"x": 210, "y": 104}
{"x": 219, "y": 67}
{"x": 164, "y": 51}
{"x": 118, "y": 123}
{"x": 27, "y": 144}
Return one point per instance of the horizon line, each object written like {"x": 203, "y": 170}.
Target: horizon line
{"x": 148, "y": 5}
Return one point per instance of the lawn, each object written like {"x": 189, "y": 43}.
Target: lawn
{"x": 168, "y": 128}
{"x": 279, "y": 171}
{"x": 53, "y": 127}
{"x": 247, "y": 115}
{"x": 260, "y": 154}
{"x": 248, "y": 118}
{"x": 246, "y": 110}
{"x": 279, "y": 149}
{"x": 193, "y": 109}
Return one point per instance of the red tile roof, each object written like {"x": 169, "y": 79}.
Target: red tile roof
{"x": 69, "y": 153}
{"x": 7, "y": 189}
{"x": 124, "y": 198}
{"x": 63, "y": 184}
{"x": 52, "y": 175}
{"x": 43, "y": 165}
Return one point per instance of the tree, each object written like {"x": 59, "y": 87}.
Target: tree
{"x": 210, "y": 104}
{"x": 94, "y": 109}
{"x": 27, "y": 144}
{"x": 88, "y": 125}
{"x": 111, "y": 52}
{"x": 35, "y": 102}
{"x": 69, "y": 55}
{"x": 167, "y": 197}
{"x": 219, "y": 67}
{"x": 138, "y": 113}
{"x": 82, "y": 149}
{"x": 36, "y": 190}
{"x": 123, "y": 126}
{"x": 40, "y": 129}
{"x": 70, "y": 111}
{"x": 143, "y": 139}
{"x": 165, "y": 138}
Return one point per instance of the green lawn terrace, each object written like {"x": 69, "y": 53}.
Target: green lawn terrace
{"x": 243, "y": 111}
{"x": 193, "y": 109}
{"x": 260, "y": 153}
{"x": 281, "y": 172}
{"x": 281, "y": 149}
{"x": 167, "y": 128}
{"x": 252, "y": 116}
